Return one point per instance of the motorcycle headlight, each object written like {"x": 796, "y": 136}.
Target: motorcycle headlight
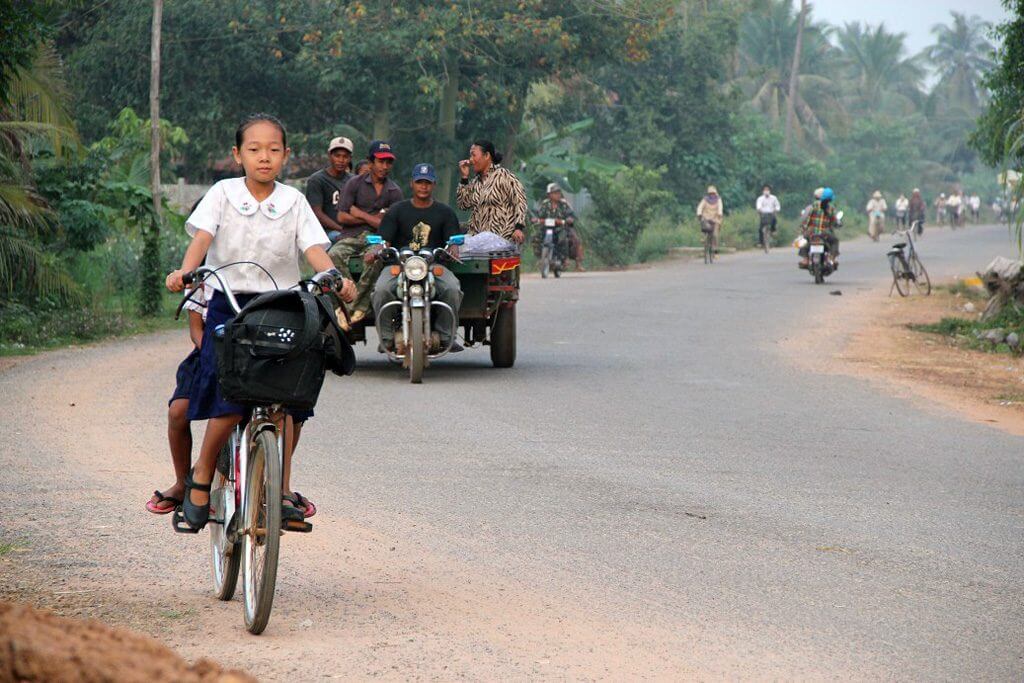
{"x": 416, "y": 290}
{"x": 415, "y": 268}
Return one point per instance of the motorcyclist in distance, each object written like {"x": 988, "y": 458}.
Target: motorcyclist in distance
{"x": 821, "y": 220}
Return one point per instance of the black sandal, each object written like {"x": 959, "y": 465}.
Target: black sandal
{"x": 195, "y": 516}
{"x": 292, "y": 516}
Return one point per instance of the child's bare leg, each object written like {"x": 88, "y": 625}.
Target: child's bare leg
{"x": 218, "y": 431}
{"x": 292, "y": 431}
{"x": 179, "y": 437}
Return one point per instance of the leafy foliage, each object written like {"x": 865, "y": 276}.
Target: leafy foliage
{"x": 624, "y": 204}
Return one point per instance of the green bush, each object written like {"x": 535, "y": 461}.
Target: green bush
{"x": 624, "y": 204}
{"x": 662, "y": 235}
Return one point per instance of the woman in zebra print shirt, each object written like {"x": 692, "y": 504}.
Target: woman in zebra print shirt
{"x": 495, "y": 196}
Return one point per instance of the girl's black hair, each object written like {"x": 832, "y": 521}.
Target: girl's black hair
{"x": 256, "y": 118}
{"x": 487, "y": 147}
{"x": 362, "y": 162}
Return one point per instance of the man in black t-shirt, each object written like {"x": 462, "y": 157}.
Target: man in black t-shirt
{"x": 419, "y": 223}
{"x": 323, "y": 188}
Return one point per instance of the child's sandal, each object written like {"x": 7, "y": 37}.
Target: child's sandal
{"x": 196, "y": 516}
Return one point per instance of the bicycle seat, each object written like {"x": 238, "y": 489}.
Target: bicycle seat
{"x": 899, "y": 245}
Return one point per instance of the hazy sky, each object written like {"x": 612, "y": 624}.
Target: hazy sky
{"x": 913, "y": 17}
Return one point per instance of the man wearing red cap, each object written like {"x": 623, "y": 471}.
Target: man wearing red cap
{"x": 364, "y": 201}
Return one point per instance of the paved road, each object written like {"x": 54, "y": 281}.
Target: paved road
{"x": 655, "y": 489}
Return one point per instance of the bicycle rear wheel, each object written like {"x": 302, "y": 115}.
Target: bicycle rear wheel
{"x": 226, "y": 557}
{"x": 899, "y": 279}
{"x": 922, "y": 283}
{"x": 709, "y": 253}
{"x": 262, "y": 539}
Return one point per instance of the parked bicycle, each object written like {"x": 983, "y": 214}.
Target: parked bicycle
{"x": 907, "y": 270}
{"x": 245, "y": 494}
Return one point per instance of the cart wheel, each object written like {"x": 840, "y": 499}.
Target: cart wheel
{"x": 503, "y": 338}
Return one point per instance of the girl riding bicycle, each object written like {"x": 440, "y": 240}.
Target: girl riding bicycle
{"x": 255, "y": 220}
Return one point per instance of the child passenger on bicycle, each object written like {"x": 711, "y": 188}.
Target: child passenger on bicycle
{"x": 257, "y": 220}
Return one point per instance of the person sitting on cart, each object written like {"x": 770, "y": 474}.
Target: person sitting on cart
{"x": 419, "y": 223}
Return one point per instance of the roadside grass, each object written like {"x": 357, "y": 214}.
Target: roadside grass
{"x": 975, "y": 334}
{"x": 26, "y": 330}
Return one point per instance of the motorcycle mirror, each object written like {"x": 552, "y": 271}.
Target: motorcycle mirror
{"x": 457, "y": 240}
{"x": 374, "y": 240}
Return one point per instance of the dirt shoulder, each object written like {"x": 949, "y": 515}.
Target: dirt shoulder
{"x": 877, "y": 344}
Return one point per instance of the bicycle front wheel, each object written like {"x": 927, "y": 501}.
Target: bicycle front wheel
{"x": 899, "y": 278}
{"x": 922, "y": 283}
{"x": 262, "y": 539}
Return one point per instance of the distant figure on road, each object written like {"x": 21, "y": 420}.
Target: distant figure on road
{"x": 876, "y": 209}
{"x": 710, "y": 212}
{"x": 902, "y": 206}
{"x": 916, "y": 210}
{"x": 940, "y": 209}
{"x": 768, "y": 207}
{"x": 975, "y": 203}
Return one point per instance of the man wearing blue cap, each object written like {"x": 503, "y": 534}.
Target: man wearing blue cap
{"x": 419, "y": 223}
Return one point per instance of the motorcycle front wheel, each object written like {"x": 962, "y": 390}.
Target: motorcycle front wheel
{"x": 417, "y": 349}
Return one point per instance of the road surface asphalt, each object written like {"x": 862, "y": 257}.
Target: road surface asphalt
{"x": 656, "y": 489}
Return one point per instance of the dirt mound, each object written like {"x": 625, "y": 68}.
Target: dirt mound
{"x": 40, "y": 646}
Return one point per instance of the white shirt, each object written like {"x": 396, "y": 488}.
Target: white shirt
{"x": 902, "y": 204}
{"x": 954, "y": 200}
{"x": 273, "y": 233}
{"x": 768, "y": 204}
{"x": 975, "y": 202}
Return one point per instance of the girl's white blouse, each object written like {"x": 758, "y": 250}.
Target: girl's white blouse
{"x": 273, "y": 233}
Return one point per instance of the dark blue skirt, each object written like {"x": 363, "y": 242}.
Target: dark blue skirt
{"x": 185, "y": 376}
{"x": 205, "y": 401}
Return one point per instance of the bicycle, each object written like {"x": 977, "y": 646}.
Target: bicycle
{"x": 708, "y": 228}
{"x": 766, "y": 230}
{"x": 907, "y": 269}
{"x": 245, "y": 496}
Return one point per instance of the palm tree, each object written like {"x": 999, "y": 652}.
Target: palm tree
{"x": 880, "y": 77}
{"x": 34, "y": 112}
{"x": 961, "y": 55}
{"x": 766, "y": 47}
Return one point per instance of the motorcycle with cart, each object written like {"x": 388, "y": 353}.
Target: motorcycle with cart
{"x": 490, "y": 291}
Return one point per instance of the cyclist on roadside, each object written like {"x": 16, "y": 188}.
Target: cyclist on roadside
{"x": 916, "y": 209}
{"x": 710, "y": 212}
{"x": 902, "y": 205}
{"x": 253, "y": 218}
{"x": 768, "y": 207}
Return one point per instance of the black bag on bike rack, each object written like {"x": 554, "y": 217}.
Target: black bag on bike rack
{"x": 278, "y": 348}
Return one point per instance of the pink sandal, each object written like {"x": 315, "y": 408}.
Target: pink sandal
{"x": 161, "y": 498}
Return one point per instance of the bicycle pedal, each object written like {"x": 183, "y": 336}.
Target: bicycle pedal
{"x": 297, "y": 526}
{"x": 179, "y": 524}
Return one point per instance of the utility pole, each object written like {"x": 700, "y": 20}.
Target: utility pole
{"x": 150, "y": 295}
{"x": 154, "y": 105}
{"x": 794, "y": 75}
